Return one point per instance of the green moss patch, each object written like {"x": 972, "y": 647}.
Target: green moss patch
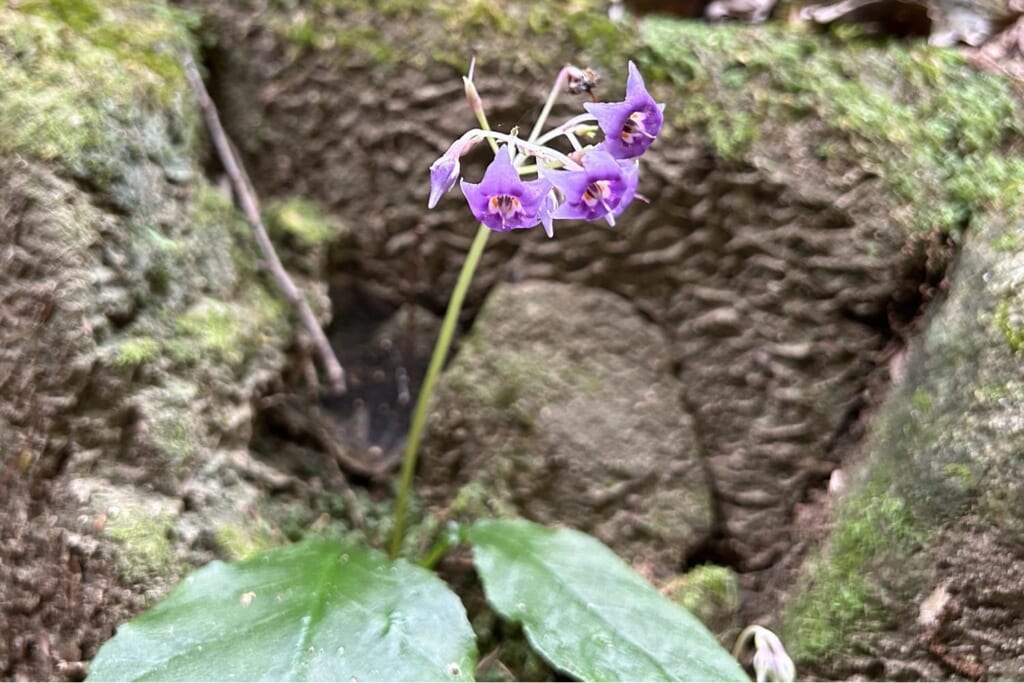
{"x": 711, "y": 593}
{"x": 303, "y": 220}
{"x": 220, "y": 328}
{"x": 940, "y": 134}
{"x": 144, "y": 545}
{"x": 83, "y": 77}
{"x": 824, "y": 618}
{"x": 132, "y": 352}
{"x": 387, "y": 35}
{"x": 1010, "y": 325}
{"x": 239, "y": 541}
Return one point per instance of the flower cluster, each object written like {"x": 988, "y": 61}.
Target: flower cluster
{"x": 589, "y": 183}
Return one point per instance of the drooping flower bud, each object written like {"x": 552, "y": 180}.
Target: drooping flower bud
{"x": 476, "y": 104}
{"x": 444, "y": 172}
{"x": 443, "y": 175}
{"x": 547, "y": 213}
{"x": 771, "y": 661}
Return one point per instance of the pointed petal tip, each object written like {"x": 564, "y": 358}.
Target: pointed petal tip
{"x": 435, "y": 195}
{"x": 634, "y": 81}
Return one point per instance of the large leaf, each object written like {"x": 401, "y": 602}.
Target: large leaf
{"x": 313, "y": 611}
{"x": 587, "y": 612}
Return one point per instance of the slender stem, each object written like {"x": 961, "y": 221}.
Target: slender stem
{"x": 552, "y": 96}
{"x": 564, "y": 128}
{"x": 574, "y": 142}
{"x": 744, "y": 636}
{"x": 437, "y": 358}
{"x": 441, "y": 546}
{"x": 451, "y": 317}
{"x": 485, "y": 129}
{"x": 539, "y": 151}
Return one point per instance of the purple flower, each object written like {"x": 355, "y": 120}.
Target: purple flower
{"x": 602, "y": 189}
{"x": 502, "y": 201}
{"x": 443, "y": 174}
{"x": 629, "y": 126}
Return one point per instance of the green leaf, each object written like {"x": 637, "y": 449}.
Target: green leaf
{"x": 587, "y": 612}
{"x": 313, "y": 611}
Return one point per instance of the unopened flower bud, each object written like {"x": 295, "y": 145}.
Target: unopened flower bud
{"x": 586, "y": 131}
{"x": 771, "y": 661}
{"x": 579, "y": 80}
{"x": 547, "y": 213}
{"x": 473, "y": 97}
{"x": 443, "y": 175}
{"x": 444, "y": 172}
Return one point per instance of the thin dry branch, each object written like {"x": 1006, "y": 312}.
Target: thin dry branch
{"x": 248, "y": 203}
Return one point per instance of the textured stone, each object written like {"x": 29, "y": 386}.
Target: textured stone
{"x": 561, "y": 407}
{"x": 937, "y": 506}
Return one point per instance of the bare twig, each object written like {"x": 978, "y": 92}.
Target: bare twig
{"x": 249, "y": 205}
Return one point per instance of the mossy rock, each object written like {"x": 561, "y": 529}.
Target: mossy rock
{"x": 561, "y": 408}
{"x": 936, "y": 507}
{"x": 712, "y": 594}
{"x": 138, "y": 327}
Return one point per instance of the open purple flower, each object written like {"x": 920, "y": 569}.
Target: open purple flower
{"x": 629, "y": 126}
{"x": 502, "y": 201}
{"x": 602, "y": 189}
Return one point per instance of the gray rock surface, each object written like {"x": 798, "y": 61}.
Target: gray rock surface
{"x": 561, "y": 407}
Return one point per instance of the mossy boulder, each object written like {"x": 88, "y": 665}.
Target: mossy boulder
{"x": 924, "y": 567}
{"x": 136, "y": 329}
